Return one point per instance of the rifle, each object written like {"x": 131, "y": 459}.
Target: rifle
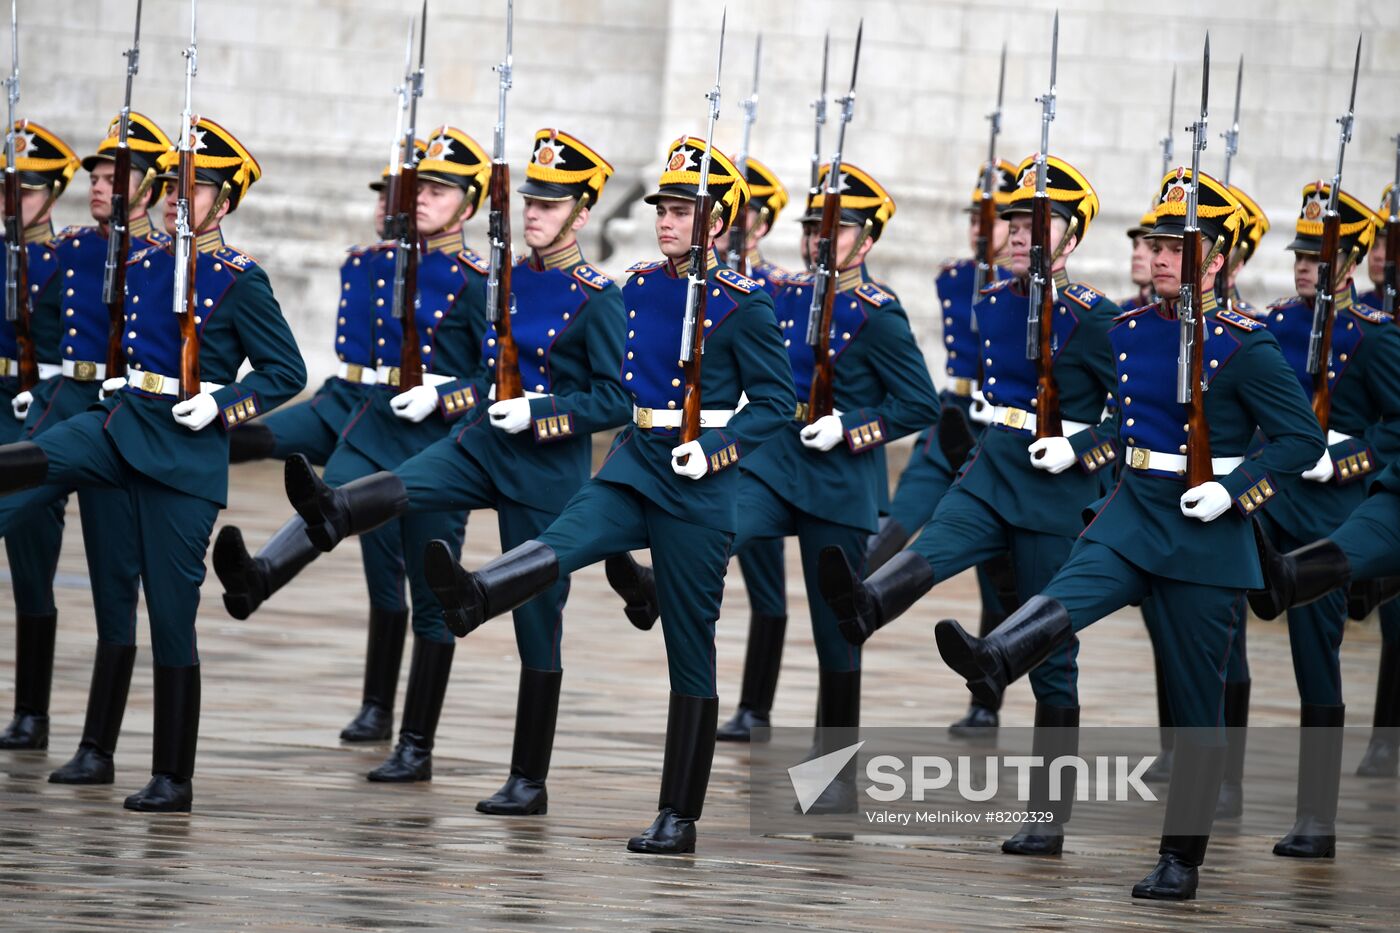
{"x": 819, "y": 107}
{"x": 1040, "y": 317}
{"x": 118, "y": 231}
{"x": 500, "y": 303}
{"x": 1324, "y": 303}
{"x": 401, "y": 219}
{"x": 16, "y": 262}
{"x": 1190, "y": 371}
{"x": 738, "y": 256}
{"x": 185, "y": 253}
{"x": 1232, "y": 146}
{"x": 986, "y": 207}
{"x": 825, "y": 264}
{"x": 1392, "y": 237}
{"x": 692, "y": 331}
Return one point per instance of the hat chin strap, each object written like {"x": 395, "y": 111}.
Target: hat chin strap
{"x": 224, "y": 192}
{"x": 1061, "y": 246}
{"x": 54, "y": 191}
{"x": 855, "y": 247}
{"x": 147, "y": 181}
{"x": 750, "y": 237}
{"x": 1345, "y": 269}
{"x": 579, "y": 204}
{"x": 455, "y": 220}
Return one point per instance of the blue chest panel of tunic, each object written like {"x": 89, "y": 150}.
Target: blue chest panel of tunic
{"x": 793, "y": 307}
{"x": 1009, "y": 378}
{"x": 43, "y": 265}
{"x": 354, "y": 321}
{"x": 1291, "y": 324}
{"x": 546, "y": 303}
{"x": 655, "y": 303}
{"x": 954, "y": 284}
{"x": 152, "y": 338}
{"x": 86, "y": 322}
{"x": 1144, "y": 351}
{"x": 1373, "y": 299}
{"x": 441, "y": 279}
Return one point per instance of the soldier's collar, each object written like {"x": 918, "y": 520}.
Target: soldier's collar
{"x": 563, "y": 258}
{"x": 448, "y": 241}
{"x": 1346, "y": 297}
{"x": 39, "y": 233}
{"x": 754, "y": 259}
{"x": 1061, "y": 279}
{"x": 849, "y": 279}
{"x": 141, "y": 226}
{"x": 1208, "y": 302}
{"x": 681, "y": 267}
{"x": 210, "y": 240}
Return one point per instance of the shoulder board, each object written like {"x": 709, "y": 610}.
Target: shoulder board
{"x": 1133, "y": 312}
{"x": 646, "y": 266}
{"x": 798, "y": 278}
{"x": 235, "y": 259}
{"x": 948, "y": 265}
{"x": 67, "y": 233}
{"x": 475, "y": 260}
{"x": 591, "y": 277}
{"x": 772, "y": 273}
{"x": 736, "y": 281}
{"x": 873, "y": 294}
{"x": 141, "y": 254}
{"x": 1367, "y": 313}
{"x": 1282, "y": 303}
{"x": 1240, "y": 321}
{"x": 1083, "y": 295}
{"x": 360, "y": 250}
{"x": 160, "y": 237}
{"x": 993, "y": 286}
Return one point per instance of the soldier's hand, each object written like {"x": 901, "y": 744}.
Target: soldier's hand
{"x": 1320, "y": 472}
{"x": 1205, "y": 502}
{"x": 824, "y": 433}
{"x": 980, "y": 411}
{"x": 111, "y": 386}
{"x": 511, "y": 415}
{"x": 196, "y": 412}
{"x": 20, "y": 404}
{"x": 1052, "y": 454}
{"x": 689, "y": 460}
{"x": 415, "y": 404}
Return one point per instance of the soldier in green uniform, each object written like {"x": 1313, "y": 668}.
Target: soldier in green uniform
{"x": 312, "y": 428}
{"x": 44, "y": 164}
{"x": 680, "y": 499}
{"x": 1256, "y": 225}
{"x": 1190, "y": 549}
{"x": 390, "y": 426}
{"x": 171, "y": 457}
{"x": 1015, "y": 492}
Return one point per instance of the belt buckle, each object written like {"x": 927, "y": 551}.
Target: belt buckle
{"x": 804, "y": 411}
{"x": 84, "y": 370}
{"x": 1141, "y": 458}
{"x": 4, "y": 366}
{"x": 962, "y": 387}
{"x": 1015, "y": 418}
{"x": 354, "y": 372}
{"x": 393, "y": 379}
{"x": 152, "y": 382}
{"x": 644, "y": 418}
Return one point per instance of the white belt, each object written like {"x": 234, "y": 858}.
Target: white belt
{"x": 491, "y": 393}
{"x": 1021, "y": 420}
{"x": 354, "y": 372}
{"x": 1139, "y": 458}
{"x": 84, "y": 370}
{"x": 154, "y": 383}
{"x": 962, "y": 387}
{"x": 49, "y": 370}
{"x": 648, "y": 418}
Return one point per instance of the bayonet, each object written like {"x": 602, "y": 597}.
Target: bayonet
{"x": 117, "y": 241}
{"x": 1232, "y": 135}
{"x": 14, "y": 232}
{"x": 1040, "y": 271}
{"x": 500, "y": 231}
{"x": 1169, "y": 140}
{"x": 819, "y": 106}
{"x": 738, "y": 238}
{"x": 699, "y": 263}
{"x": 1188, "y": 303}
{"x": 986, "y": 210}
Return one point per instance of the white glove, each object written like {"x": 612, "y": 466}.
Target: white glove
{"x": 111, "y": 386}
{"x": 20, "y": 404}
{"x": 981, "y": 410}
{"x": 1052, "y": 454}
{"x": 697, "y": 464}
{"x": 1320, "y": 472}
{"x": 416, "y": 403}
{"x": 196, "y": 412}
{"x": 511, "y": 416}
{"x": 823, "y": 434}
{"x": 1206, "y": 502}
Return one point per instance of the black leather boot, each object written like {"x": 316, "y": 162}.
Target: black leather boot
{"x": 1298, "y": 577}
{"x": 1231, "y": 802}
{"x": 980, "y": 722}
{"x": 635, "y": 582}
{"x": 111, "y": 682}
{"x": 1191, "y": 799}
{"x": 763, "y": 659}
{"x": 838, "y": 726}
{"x": 412, "y": 758}
{"x": 1314, "y": 832}
{"x": 383, "y": 658}
{"x": 885, "y": 543}
{"x": 536, "y": 711}
{"x": 34, "y": 637}
{"x": 249, "y": 580}
{"x": 1160, "y": 771}
{"x": 509, "y": 581}
{"x": 685, "y": 776}
{"x": 171, "y": 788}
{"x": 1383, "y": 751}
{"x": 1025, "y": 639}
{"x": 253, "y": 440}
{"x": 1366, "y": 596}
{"x": 23, "y": 465}
{"x": 1056, "y": 735}
{"x": 955, "y": 437}
{"x": 333, "y": 514}
{"x": 862, "y": 607}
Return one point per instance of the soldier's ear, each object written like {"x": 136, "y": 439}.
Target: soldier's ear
{"x": 580, "y": 219}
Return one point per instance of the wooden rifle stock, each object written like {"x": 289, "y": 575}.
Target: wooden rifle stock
{"x": 119, "y": 226}
{"x": 14, "y": 230}
{"x": 189, "y": 330}
{"x": 410, "y": 356}
{"x": 1198, "y": 458}
{"x": 699, "y": 253}
{"x": 821, "y": 401}
{"x": 507, "y": 353}
{"x": 1047, "y": 391}
{"x": 1392, "y": 256}
{"x": 1326, "y": 275}
{"x": 986, "y": 226}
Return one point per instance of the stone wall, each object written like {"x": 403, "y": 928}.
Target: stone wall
{"x": 307, "y": 84}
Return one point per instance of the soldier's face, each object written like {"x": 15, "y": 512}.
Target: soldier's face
{"x": 1019, "y": 244}
{"x": 204, "y": 196}
{"x": 100, "y": 193}
{"x": 1142, "y": 262}
{"x": 1305, "y": 275}
{"x": 810, "y": 235}
{"x": 544, "y": 221}
{"x": 1166, "y": 266}
{"x": 1000, "y": 233}
{"x": 34, "y": 206}
{"x": 1375, "y": 263}
{"x": 381, "y": 208}
{"x": 675, "y": 220}
{"x": 437, "y": 205}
